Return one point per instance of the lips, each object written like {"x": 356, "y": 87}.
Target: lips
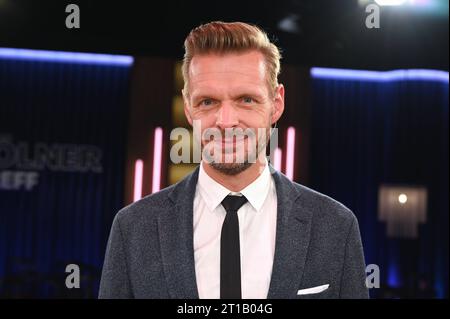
{"x": 234, "y": 141}
{"x": 237, "y": 139}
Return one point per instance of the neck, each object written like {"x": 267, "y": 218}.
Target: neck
{"x": 238, "y": 182}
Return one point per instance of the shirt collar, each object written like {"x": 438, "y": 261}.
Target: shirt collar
{"x": 214, "y": 193}
{"x": 256, "y": 192}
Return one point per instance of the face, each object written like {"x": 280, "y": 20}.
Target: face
{"x": 230, "y": 94}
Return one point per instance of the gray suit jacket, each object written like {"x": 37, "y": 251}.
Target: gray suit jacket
{"x": 150, "y": 249}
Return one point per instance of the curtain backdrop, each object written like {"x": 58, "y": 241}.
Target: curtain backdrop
{"x": 62, "y": 146}
{"x": 366, "y": 132}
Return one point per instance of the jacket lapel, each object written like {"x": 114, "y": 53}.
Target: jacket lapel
{"x": 292, "y": 239}
{"x": 176, "y": 240}
{"x": 291, "y": 246}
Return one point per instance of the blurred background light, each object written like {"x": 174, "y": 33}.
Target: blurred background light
{"x": 330, "y": 73}
{"x": 71, "y": 57}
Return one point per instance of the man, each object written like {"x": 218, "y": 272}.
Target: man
{"x": 234, "y": 229}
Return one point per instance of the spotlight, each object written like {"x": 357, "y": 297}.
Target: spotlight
{"x": 402, "y": 199}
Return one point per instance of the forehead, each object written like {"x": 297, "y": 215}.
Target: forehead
{"x": 230, "y": 69}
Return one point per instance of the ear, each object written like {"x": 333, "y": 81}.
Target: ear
{"x": 187, "y": 109}
{"x": 278, "y": 104}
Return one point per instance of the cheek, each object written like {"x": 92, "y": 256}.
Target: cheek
{"x": 208, "y": 122}
{"x": 258, "y": 118}
{"x": 204, "y": 124}
{"x": 203, "y": 120}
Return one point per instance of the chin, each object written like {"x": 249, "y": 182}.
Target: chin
{"x": 230, "y": 168}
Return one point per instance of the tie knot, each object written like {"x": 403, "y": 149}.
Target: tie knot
{"x": 233, "y": 202}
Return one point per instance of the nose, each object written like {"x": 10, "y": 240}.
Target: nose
{"x": 227, "y": 116}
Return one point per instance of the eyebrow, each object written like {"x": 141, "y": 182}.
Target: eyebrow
{"x": 213, "y": 94}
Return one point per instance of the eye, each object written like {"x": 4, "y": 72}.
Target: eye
{"x": 206, "y": 102}
{"x": 247, "y": 100}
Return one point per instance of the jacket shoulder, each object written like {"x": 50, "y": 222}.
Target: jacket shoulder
{"x": 324, "y": 207}
{"x": 147, "y": 208}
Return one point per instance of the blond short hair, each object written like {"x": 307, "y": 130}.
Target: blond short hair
{"x": 226, "y": 37}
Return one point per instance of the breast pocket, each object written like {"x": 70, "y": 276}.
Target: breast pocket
{"x": 316, "y": 292}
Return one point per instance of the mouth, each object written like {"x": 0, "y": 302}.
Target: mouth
{"x": 232, "y": 144}
{"x": 233, "y": 141}
{"x": 230, "y": 150}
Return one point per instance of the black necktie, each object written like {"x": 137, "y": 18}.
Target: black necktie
{"x": 230, "y": 258}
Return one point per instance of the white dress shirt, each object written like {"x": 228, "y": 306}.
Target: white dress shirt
{"x": 257, "y": 228}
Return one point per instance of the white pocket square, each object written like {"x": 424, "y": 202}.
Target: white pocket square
{"x": 312, "y": 290}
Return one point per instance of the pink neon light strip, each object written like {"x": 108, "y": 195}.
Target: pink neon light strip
{"x": 157, "y": 158}
{"x": 277, "y": 158}
{"x": 138, "y": 173}
{"x": 290, "y": 153}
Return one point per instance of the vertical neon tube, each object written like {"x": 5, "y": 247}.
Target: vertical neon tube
{"x": 138, "y": 173}
{"x": 277, "y": 158}
{"x": 290, "y": 153}
{"x": 157, "y": 158}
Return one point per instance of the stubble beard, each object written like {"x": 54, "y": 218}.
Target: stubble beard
{"x": 232, "y": 169}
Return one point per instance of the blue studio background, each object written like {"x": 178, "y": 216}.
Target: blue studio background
{"x": 368, "y": 131}
{"x": 63, "y": 132}
{"x": 64, "y": 218}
